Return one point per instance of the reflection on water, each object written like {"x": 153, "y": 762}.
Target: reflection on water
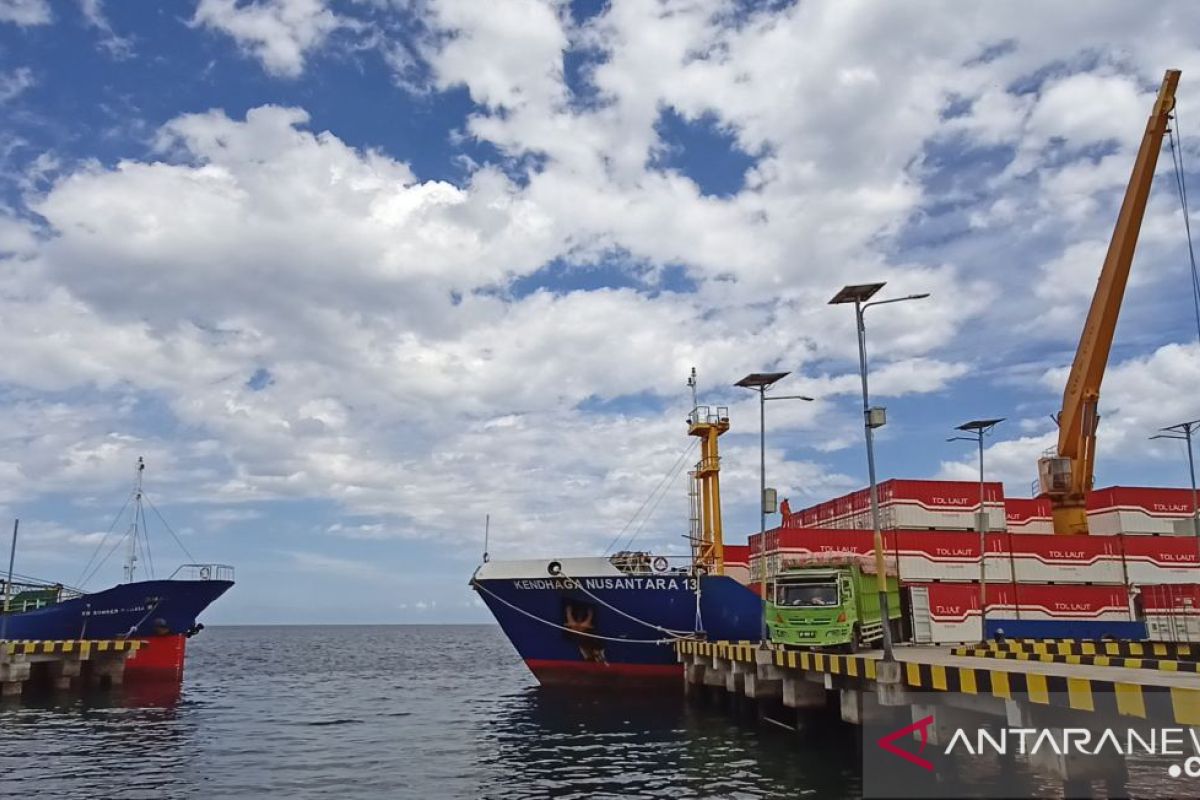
{"x": 558, "y": 743}
{"x": 421, "y": 712}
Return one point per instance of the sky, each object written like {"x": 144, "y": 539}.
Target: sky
{"x": 353, "y": 275}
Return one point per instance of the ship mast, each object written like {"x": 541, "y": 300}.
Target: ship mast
{"x": 131, "y": 552}
{"x": 707, "y": 423}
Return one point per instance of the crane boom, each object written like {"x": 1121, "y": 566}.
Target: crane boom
{"x": 1067, "y": 477}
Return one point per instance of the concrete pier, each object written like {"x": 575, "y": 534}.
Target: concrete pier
{"x": 63, "y": 665}
{"x": 1055, "y": 686}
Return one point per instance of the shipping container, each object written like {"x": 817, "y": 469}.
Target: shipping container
{"x": 942, "y": 495}
{"x": 737, "y": 562}
{"x": 949, "y": 612}
{"x": 1161, "y": 559}
{"x": 1046, "y": 558}
{"x": 1028, "y": 515}
{"x": 1138, "y": 509}
{"x": 951, "y": 556}
{"x": 1172, "y": 613}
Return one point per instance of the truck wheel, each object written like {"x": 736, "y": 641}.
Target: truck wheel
{"x": 855, "y": 638}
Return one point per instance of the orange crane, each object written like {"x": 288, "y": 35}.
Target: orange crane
{"x": 1065, "y": 474}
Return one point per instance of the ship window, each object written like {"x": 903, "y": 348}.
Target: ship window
{"x": 806, "y": 594}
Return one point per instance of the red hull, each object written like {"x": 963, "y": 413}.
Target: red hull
{"x": 160, "y": 658}
{"x": 575, "y": 673}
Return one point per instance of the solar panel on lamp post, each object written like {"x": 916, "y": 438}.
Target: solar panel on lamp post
{"x": 760, "y": 382}
{"x": 860, "y": 295}
{"x": 978, "y": 428}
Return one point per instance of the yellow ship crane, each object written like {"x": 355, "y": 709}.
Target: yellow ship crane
{"x": 1066, "y": 474}
{"x": 708, "y": 545}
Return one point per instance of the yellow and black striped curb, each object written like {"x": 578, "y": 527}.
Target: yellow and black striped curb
{"x": 1161, "y": 664}
{"x": 734, "y": 651}
{"x": 1175, "y": 651}
{"x": 1158, "y": 703}
{"x": 83, "y": 647}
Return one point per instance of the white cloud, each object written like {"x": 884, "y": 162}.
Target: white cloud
{"x": 114, "y": 44}
{"x": 15, "y": 83}
{"x": 1139, "y": 396}
{"x": 508, "y": 53}
{"x": 1012, "y": 461}
{"x": 327, "y": 565}
{"x": 409, "y": 384}
{"x": 279, "y": 33}
{"x": 25, "y": 12}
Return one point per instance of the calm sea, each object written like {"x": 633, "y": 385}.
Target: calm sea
{"x": 398, "y": 711}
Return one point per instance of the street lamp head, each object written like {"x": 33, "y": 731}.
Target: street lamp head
{"x": 920, "y": 296}
{"x": 980, "y": 424}
{"x": 761, "y": 380}
{"x": 856, "y": 293}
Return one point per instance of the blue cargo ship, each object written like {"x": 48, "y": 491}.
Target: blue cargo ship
{"x": 582, "y": 620}
{"x": 127, "y": 610}
{"x": 598, "y": 619}
{"x": 163, "y": 612}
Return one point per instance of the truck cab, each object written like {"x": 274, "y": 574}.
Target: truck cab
{"x": 828, "y": 602}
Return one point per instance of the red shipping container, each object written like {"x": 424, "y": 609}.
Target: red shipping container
{"x": 737, "y": 554}
{"x": 943, "y": 495}
{"x": 1176, "y": 597}
{"x": 1047, "y": 558}
{"x": 1028, "y": 515}
{"x": 951, "y": 556}
{"x": 820, "y": 540}
{"x": 1155, "y": 501}
{"x": 1161, "y": 559}
{"x": 949, "y": 612}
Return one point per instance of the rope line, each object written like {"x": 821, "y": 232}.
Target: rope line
{"x": 480, "y": 587}
{"x": 669, "y": 631}
{"x": 80, "y": 580}
{"x": 104, "y": 561}
{"x": 673, "y": 475}
{"x": 167, "y": 525}
{"x": 145, "y": 616}
{"x": 682, "y": 456}
{"x": 1181, "y": 192}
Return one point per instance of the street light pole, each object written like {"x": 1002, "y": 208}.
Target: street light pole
{"x": 980, "y": 428}
{"x": 1183, "y": 431}
{"x": 760, "y": 382}
{"x": 859, "y": 294}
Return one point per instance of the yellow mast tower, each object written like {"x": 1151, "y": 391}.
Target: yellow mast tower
{"x": 707, "y": 424}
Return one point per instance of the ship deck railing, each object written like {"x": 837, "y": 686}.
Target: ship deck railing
{"x": 203, "y": 572}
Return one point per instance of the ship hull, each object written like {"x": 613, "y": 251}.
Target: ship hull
{"x": 599, "y": 626}
{"x": 141, "y": 609}
{"x": 160, "y": 658}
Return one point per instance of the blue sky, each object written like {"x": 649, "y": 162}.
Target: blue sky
{"x": 352, "y": 274}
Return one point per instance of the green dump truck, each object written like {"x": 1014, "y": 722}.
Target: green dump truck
{"x": 831, "y": 600}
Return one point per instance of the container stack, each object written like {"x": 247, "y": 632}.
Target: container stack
{"x": 1143, "y": 564}
{"x": 953, "y": 505}
{"x": 909, "y": 505}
